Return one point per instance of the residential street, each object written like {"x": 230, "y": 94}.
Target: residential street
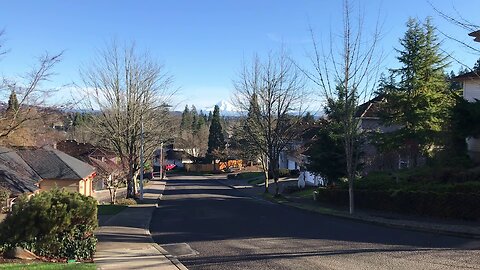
{"x": 211, "y": 226}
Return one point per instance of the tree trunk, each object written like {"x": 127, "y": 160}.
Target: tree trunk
{"x": 130, "y": 182}
{"x": 350, "y": 196}
{"x": 266, "y": 181}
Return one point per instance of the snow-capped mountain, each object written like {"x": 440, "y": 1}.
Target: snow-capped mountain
{"x": 226, "y": 108}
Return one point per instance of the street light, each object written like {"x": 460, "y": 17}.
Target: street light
{"x": 141, "y": 161}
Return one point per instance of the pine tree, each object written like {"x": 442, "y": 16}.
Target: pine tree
{"x": 216, "y": 141}
{"x": 420, "y": 102}
{"x": 12, "y": 103}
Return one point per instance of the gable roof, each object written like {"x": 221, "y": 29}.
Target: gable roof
{"x": 371, "y": 108}
{"x": 49, "y": 163}
{"x": 472, "y": 75}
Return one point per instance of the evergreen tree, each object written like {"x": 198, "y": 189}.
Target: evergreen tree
{"x": 216, "y": 141}
{"x": 186, "y": 122}
{"x": 420, "y": 102}
{"x": 476, "y": 66}
{"x": 209, "y": 118}
{"x": 194, "y": 116}
{"x": 12, "y": 103}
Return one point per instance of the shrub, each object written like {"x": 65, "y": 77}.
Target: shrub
{"x": 125, "y": 201}
{"x": 424, "y": 203}
{"x": 4, "y": 195}
{"x": 283, "y": 172}
{"x": 56, "y": 224}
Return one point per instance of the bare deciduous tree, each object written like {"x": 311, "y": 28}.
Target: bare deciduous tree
{"x": 346, "y": 72}
{"x": 128, "y": 89}
{"x": 30, "y": 95}
{"x": 276, "y": 91}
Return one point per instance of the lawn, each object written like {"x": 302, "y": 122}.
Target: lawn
{"x": 110, "y": 209}
{"x": 48, "y": 266}
{"x": 304, "y": 193}
{"x": 254, "y": 178}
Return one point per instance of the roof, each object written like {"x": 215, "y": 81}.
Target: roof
{"x": 16, "y": 182}
{"x": 75, "y": 148}
{"x": 472, "y": 75}
{"x": 476, "y": 35}
{"x": 104, "y": 167}
{"x": 49, "y": 163}
{"x": 177, "y": 155}
{"x": 371, "y": 108}
{"x": 15, "y": 174}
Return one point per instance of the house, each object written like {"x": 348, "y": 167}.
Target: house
{"x": 57, "y": 169}
{"x": 471, "y": 93}
{"x": 369, "y": 121}
{"x": 289, "y": 158}
{"x": 104, "y": 160}
{"x": 28, "y": 170}
{"x": 174, "y": 156}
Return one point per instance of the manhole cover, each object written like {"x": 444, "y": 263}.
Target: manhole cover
{"x": 179, "y": 249}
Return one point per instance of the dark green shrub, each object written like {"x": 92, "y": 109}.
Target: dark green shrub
{"x": 423, "y": 203}
{"x": 283, "y": 172}
{"x": 56, "y": 224}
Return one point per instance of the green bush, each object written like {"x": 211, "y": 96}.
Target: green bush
{"x": 283, "y": 172}
{"x": 4, "y": 195}
{"x": 424, "y": 203}
{"x": 56, "y": 224}
{"x": 124, "y": 201}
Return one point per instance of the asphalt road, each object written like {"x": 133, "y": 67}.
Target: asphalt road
{"x": 211, "y": 226}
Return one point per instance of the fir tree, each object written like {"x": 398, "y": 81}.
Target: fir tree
{"x": 12, "y": 103}
{"x": 216, "y": 141}
{"x": 194, "y": 117}
{"x": 420, "y": 102}
{"x": 186, "y": 119}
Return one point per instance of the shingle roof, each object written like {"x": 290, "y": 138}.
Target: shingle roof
{"x": 49, "y": 163}
{"x": 15, "y": 174}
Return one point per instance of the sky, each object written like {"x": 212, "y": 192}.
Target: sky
{"x": 203, "y": 44}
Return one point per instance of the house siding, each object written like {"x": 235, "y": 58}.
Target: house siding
{"x": 471, "y": 92}
{"x": 83, "y": 186}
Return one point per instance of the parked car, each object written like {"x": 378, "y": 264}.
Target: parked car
{"x": 169, "y": 167}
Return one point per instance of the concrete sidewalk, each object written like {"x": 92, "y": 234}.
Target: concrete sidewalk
{"x": 124, "y": 240}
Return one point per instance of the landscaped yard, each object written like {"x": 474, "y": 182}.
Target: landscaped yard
{"x": 48, "y": 266}
{"x": 110, "y": 209}
{"x": 254, "y": 178}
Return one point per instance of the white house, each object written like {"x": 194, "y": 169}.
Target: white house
{"x": 471, "y": 92}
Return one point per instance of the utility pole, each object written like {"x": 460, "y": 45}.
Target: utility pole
{"x": 141, "y": 161}
{"x": 161, "y": 161}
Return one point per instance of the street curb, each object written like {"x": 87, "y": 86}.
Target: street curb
{"x": 371, "y": 221}
{"x": 386, "y": 224}
{"x": 165, "y": 253}
{"x": 172, "y": 258}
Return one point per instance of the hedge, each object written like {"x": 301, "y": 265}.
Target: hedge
{"x": 56, "y": 224}
{"x": 423, "y": 203}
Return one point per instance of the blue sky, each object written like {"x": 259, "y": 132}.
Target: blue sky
{"x": 201, "y": 43}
